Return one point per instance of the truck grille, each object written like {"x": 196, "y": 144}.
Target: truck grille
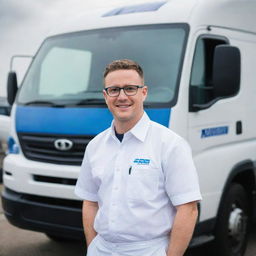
{"x": 40, "y": 147}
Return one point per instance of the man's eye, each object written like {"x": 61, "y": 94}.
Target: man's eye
{"x": 113, "y": 90}
{"x": 130, "y": 88}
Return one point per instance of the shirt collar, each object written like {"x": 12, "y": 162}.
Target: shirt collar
{"x": 139, "y": 130}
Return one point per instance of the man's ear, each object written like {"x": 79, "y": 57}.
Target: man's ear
{"x": 105, "y": 95}
{"x": 145, "y": 92}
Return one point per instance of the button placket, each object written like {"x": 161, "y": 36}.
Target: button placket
{"x": 116, "y": 184}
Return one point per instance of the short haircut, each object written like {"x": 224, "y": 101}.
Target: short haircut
{"x": 123, "y": 64}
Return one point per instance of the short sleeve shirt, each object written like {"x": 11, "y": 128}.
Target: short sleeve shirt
{"x": 137, "y": 182}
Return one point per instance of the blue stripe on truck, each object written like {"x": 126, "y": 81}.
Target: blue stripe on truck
{"x": 73, "y": 121}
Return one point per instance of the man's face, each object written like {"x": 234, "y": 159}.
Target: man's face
{"x": 125, "y": 108}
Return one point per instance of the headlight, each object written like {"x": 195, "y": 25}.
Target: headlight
{"x": 13, "y": 148}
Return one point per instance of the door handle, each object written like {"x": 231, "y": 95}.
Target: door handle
{"x": 239, "y": 127}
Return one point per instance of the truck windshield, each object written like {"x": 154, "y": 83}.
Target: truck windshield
{"x": 68, "y": 69}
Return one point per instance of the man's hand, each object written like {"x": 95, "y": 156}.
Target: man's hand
{"x": 182, "y": 229}
{"x": 90, "y": 210}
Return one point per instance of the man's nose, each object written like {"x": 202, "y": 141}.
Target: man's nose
{"x": 122, "y": 94}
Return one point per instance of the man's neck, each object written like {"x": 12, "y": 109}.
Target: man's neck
{"x": 122, "y": 127}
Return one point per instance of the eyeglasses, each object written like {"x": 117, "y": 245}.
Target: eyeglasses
{"x": 129, "y": 90}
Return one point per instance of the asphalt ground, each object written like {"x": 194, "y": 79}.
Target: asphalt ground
{"x": 18, "y": 242}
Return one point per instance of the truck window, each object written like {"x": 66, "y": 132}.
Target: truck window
{"x": 68, "y": 68}
{"x": 201, "y": 74}
{"x": 71, "y": 75}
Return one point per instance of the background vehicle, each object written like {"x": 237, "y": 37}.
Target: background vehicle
{"x": 199, "y": 60}
{"x": 5, "y": 125}
{"x": 5, "y": 108}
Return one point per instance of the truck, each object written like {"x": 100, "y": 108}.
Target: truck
{"x": 199, "y": 59}
{"x": 5, "y": 110}
{"x": 4, "y": 130}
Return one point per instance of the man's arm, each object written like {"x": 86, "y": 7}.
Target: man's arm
{"x": 89, "y": 211}
{"x": 183, "y": 227}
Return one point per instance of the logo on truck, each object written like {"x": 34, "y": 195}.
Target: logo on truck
{"x": 63, "y": 144}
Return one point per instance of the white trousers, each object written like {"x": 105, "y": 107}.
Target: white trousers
{"x": 101, "y": 247}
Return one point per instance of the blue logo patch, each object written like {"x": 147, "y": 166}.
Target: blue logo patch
{"x": 141, "y": 161}
{"x": 216, "y": 131}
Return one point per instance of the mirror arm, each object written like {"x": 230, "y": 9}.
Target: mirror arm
{"x": 18, "y": 56}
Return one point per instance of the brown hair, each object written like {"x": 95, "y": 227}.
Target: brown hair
{"x": 123, "y": 64}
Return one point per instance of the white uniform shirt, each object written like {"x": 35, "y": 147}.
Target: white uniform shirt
{"x": 137, "y": 182}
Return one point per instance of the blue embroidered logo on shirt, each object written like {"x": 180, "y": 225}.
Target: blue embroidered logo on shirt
{"x": 142, "y": 161}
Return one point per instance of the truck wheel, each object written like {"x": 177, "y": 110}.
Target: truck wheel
{"x": 232, "y": 223}
{"x": 59, "y": 239}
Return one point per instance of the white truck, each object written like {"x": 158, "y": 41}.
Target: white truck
{"x": 199, "y": 59}
{"x": 5, "y": 128}
{"x": 5, "y": 122}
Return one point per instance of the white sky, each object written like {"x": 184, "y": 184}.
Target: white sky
{"x": 25, "y": 23}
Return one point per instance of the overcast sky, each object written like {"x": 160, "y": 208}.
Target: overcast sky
{"x": 25, "y": 23}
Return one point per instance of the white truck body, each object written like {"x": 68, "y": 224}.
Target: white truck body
{"x": 5, "y": 127}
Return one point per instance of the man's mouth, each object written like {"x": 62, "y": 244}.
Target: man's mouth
{"x": 123, "y": 105}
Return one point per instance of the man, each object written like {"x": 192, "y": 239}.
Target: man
{"x": 138, "y": 180}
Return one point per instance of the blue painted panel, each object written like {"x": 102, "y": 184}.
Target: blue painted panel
{"x": 73, "y": 121}
{"x": 159, "y": 115}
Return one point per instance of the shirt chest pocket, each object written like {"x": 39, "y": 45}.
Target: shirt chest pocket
{"x": 142, "y": 184}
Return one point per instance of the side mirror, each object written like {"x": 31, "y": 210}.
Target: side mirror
{"x": 226, "y": 71}
{"x": 225, "y": 79}
{"x": 12, "y": 83}
{"x": 12, "y": 87}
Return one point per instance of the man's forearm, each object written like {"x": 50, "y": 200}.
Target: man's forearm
{"x": 182, "y": 230}
{"x": 90, "y": 210}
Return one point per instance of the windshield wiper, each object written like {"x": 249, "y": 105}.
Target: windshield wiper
{"x": 91, "y": 101}
{"x": 44, "y": 103}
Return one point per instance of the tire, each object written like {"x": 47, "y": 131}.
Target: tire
{"x": 60, "y": 239}
{"x": 231, "y": 233}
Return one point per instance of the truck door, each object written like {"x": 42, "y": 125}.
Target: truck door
{"x": 212, "y": 128}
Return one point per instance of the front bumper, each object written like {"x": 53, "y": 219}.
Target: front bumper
{"x": 41, "y": 179}
{"x": 59, "y": 217}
